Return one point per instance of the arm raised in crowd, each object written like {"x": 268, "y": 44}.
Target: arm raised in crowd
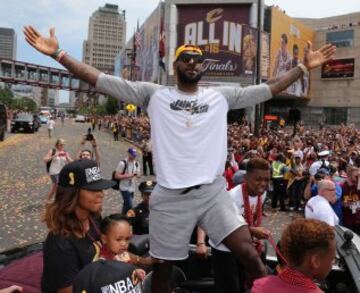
{"x": 312, "y": 60}
{"x": 130, "y": 92}
{"x": 50, "y": 47}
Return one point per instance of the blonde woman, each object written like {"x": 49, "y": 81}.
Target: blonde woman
{"x": 55, "y": 159}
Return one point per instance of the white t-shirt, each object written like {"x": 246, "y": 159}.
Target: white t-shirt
{"x": 188, "y": 131}
{"x": 131, "y": 167}
{"x": 51, "y": 124}
{"x": 237, "y": 195}
{"x": 316, "y": 166}
{"x": 57, "y": 163}
{"x": 319, "y": 208}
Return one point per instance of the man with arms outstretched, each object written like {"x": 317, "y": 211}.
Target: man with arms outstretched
{"x": 189, "y": 139}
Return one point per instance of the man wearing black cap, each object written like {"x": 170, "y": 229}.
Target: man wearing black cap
{"x": 189, "y": 139}
{"x": 139, "y": 216}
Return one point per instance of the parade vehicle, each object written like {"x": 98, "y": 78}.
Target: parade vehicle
{"x": 25, "y": 122}
{"x": 23, "y": 266}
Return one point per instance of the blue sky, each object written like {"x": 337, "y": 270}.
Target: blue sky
{"x": 70, "y": 17}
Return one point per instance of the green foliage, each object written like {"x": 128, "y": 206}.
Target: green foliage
{"x": 112, "y": 106}
{"x": 100, "y": 110}
{"x": 23, "y": 104}
{"x": 6, "y": 97}
{"x": 85, "y": 110}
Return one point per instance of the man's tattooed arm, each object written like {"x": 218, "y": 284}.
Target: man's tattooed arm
{"x": 279, "y": 84}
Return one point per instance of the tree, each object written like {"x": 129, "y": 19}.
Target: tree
{"x": 112, "y": 106}
{"x": 24, "y": 104}
{"x": 6, "y": 97}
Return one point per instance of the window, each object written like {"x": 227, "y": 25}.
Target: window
{"x": 335, "y": 116}
{"x": 341, "y": 38}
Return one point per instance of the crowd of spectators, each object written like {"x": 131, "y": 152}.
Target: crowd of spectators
{"x": 297, "y": 149}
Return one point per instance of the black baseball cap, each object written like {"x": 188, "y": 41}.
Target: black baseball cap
{"x": 107, "y": 276}
{"x": 147, "y": 186}
{"x": 83, "y": 174}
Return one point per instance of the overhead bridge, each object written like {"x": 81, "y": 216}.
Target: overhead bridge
{"x": 17, "y": 72}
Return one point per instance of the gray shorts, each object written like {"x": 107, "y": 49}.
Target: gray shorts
{"x": 173, "y": 217}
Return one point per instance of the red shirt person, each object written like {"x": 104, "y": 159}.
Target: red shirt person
{"x": 309, "y": 247}
{"x": 351, "y": 200}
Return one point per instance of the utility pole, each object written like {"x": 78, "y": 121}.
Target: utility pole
{"x": 258, "y": 66}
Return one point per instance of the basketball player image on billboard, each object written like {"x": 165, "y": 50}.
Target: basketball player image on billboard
{"x": 282, "y": 60}
{"x": 296, "y": 88}
{"x": 249, "y": 52}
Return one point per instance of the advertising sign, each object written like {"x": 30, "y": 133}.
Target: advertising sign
{"x": 148, "y": 54}
{"x": 249, "y": 45}
{"x": 288, "y": 44}
{"x": 265, "y": 56}
{"x": 338, "y": 68}
{"x": 146, "y": 65}
{"x": 218, "y": 30}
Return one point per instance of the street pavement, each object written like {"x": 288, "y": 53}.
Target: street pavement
{"x": 25, "y": 183}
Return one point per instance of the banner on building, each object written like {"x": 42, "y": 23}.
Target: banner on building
{"x": 249, "y": 50}
{"x": 338, "y": 68}
{"x": 265, "y": 56}
{"x": 218, "y": 30}
{"x": 288, "y": 44}
{"x": 145, "y": 66}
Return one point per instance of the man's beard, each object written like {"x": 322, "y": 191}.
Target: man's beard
{"x": 186, "y": 79}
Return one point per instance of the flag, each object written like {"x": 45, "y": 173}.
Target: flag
{"x": 162, "y": 40}
{"x": 162, "y": 46}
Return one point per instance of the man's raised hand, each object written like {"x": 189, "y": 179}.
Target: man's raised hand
{"x": 47, "y": 46}
{"x": 316, "y": 58}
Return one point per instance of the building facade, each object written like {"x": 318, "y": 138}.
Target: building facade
{"x": 106, "y": 37}
{"x": 333, "y": 90}
{"x": 8, "y": 43}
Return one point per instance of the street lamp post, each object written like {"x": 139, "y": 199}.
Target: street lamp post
{"x": 258, "y": 65}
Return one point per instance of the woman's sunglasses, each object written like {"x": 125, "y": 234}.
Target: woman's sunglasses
{"x": 186, "y": 58}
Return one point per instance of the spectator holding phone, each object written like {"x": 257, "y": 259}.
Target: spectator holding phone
{"x": 85, "y": 153}
{"x": 58, "y": 158}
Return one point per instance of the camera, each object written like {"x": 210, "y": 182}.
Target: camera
{"x": 89, "y": 135}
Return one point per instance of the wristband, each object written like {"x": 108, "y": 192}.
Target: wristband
{"x": 200, "y": 243}
{"x": 303, "y": 68}
{"x": 60, "y": 56}
{"x": 56, "y": 53}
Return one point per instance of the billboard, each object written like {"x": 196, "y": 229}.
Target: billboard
{"x": 288, "y": 44}
{"x": 219, "y": 31}
{"x": 146, "y": 65}
{"x": 265, "y": 55}
{"x": 147, "y": 58}
{"x": 338, "y": 68}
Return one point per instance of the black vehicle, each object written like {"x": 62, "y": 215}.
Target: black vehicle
{"x": 25, "y": 122}
{"x": 191, "y": 275}
{"x": 3, "y": 121}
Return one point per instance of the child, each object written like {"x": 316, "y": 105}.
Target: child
{"x": 309, "y": 247}
{"x": 116, "y": 233}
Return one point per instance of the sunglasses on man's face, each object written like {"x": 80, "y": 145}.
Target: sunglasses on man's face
{"x": 186, "y": 58}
